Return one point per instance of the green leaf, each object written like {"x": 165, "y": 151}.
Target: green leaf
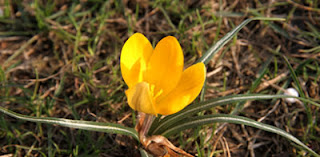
{"x": 224, "y": 40}
{"x": 78, "y": 124}
{"x": 173, "y": 119}
{"x": 144, "y": 153}
{"x": 222, "y": 118}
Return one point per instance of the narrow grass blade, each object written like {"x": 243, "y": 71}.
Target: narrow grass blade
{"x": 224, "y": 40}
{"x": 301, "y": 93}
{"x": 168, "y": 121}
{"x": 21, "y": 50}
{"x": 78, "y": 124}
{"x": 226, "y": 118}
{"x": 294, "y": 77}
{"x": 263, "y": 70}
{"x": 261, "y": 73}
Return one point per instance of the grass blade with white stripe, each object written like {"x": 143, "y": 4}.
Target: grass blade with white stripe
{"x": 78, "y": 124}
{"x": 225, "y": 39}
{"x": 226, "y": 118}
{"x": 170, "y": 120}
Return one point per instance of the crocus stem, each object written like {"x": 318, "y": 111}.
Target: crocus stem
{"x": 143, "y": 126}
{"x": 147, "y": 123}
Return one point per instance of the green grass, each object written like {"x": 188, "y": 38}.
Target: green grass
{"x": 62, "y": 60}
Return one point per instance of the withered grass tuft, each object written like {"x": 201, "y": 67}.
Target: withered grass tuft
{"x": 61, "y": 59}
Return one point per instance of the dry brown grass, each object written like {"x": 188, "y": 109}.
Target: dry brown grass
{"x": 64, "y": 62}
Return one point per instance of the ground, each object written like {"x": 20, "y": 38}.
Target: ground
{"x": 61, "y": 59}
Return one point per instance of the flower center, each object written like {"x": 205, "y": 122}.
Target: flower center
{"x": 155, "y": 94}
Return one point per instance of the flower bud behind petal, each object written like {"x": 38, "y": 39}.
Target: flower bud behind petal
{"x": 140, "y": 98}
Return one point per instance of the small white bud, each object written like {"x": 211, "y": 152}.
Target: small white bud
{"x": 291, "y": 92}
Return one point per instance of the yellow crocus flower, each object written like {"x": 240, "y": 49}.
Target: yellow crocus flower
{"x": 155, "y": 77}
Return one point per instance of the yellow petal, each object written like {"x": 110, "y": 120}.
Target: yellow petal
{"x": 134, "y": 57}
{"x": 140, "y": 98}
{"x": 165, "y": 66}
{"x": 185, "y": 92}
